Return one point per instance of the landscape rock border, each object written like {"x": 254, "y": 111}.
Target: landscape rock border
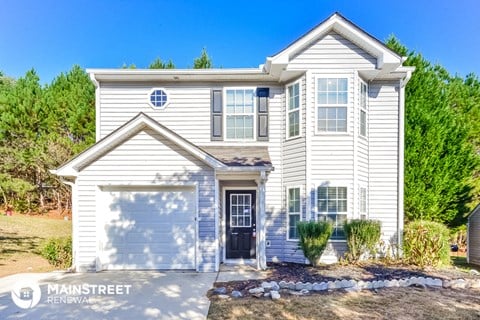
{"x": 273, "y": 289}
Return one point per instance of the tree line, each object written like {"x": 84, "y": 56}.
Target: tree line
{"x": 42, "y": 127}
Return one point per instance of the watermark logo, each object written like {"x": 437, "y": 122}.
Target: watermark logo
{"x": 26, "y": 294}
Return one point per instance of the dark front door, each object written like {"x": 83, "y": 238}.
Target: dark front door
{"x": 240, "y": 216}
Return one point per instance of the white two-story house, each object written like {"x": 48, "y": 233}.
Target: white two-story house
{"x": 194, "y": 168}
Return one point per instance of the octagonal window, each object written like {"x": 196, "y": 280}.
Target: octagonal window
{"x": 158, "y": 98}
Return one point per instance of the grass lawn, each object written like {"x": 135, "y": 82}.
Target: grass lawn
{"x": 395, "y": 303}
{"x": 21, "y": 237}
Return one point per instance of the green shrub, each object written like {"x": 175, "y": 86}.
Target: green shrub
{"x": 58, "y": 251}
{"x": 362, "y": 237}
{"x": 314, "y": 236}
{"x": 426, "y": 243}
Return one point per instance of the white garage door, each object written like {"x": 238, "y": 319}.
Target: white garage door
{"x": 147, "y": 228}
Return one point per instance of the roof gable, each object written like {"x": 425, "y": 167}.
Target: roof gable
{"x": 141, "y": 121}
{"x": 336, "y": 23}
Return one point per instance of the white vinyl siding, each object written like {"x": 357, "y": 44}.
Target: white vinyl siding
{"x": 333, "y": 52}
{"x": 145, "y": 159}
{"x": 293, "y": 110}
{"x": 383, "y": 156}
{"x": 294, "y": 211}
{"x": 473, "y": 237}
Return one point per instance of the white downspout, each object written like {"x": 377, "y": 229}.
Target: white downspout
{"x": 97, "y": 106}
{"x": 401, "y": 154}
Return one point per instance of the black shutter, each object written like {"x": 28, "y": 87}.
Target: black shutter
{"x": 217, "y": 115}
{"x": 262, "y": 113}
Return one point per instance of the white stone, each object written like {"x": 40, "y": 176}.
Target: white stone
{"x": 338, "y": 284}
{"x": 291, "y": 285}
{"x": 304, "y": 291}
{"x": 369, "y": 285}
{"x": 378, "y": 284}
{"x": 266, "y": 294}
{"x": 330, "y": 285}
{"x": 403, "y": 283}
{"x": 272, "y": 285}
{"x": 223, "y": 296}
{"x": 283, "y": 284}
{"x": 387, "y": 284}
{"x": 394, "y": 283}
{"x": 307, "y": 286}
{"x": 299, "y": 286}
{"x": 346, "y": 284}
{"x": 474, "y": 272}
{"x": 275, "y": 295}
{"x": 322, "y": 286}
{"x": 236, "y": 294}
{"x": 256, "y": 290}
{"x": 361, "y": 284}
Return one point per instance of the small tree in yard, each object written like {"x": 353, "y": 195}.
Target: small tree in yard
{"x": 313, "y": 239}
{"x": 426, "y": 243}
{"x": 362, "y": 237}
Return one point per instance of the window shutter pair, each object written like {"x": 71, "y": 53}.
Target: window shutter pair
{"x": 262, "y": 95}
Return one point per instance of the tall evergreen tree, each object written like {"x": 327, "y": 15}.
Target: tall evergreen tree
{"x": 203, "y": 62}
{"x": 440, "y": 158}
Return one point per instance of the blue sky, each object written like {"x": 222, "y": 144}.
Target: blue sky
{"x": 51, "y": 36}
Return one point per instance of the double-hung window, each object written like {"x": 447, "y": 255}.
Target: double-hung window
{"x": 240, "y": 114}
{"x": 332, "y": 101}
{"x": 294, "y": 211}
{"x": 332, "y": 207}
{"x": 363, "y": 108}
{"x": 293, "y": 111}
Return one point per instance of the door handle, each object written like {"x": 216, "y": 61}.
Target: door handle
{"x": 234, "y": 233}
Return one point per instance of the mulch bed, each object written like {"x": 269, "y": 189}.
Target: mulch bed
{"x": 362, "y": 271}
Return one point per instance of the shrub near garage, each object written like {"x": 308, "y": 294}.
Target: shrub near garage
{"x": 426, "y": 243}
{"x": 58, "y": 252}
{"x": 314, "y": 236}
{"x": 362, "y": 237}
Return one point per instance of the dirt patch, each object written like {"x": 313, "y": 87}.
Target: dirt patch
{"x": 24, "y": 262}
{"x": 398, "y": 303}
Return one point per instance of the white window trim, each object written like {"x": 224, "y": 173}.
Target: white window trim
{"x": 316, "y": 105}
{"x": 224, "y": 103}
{"x": 360, "y": 109}
{"x": 330, "y": 184}
{"x": 231, "y": 215}
{"x": 287, "y": 111}
{"x": 363, "y": 186}
{"x": 150, "y": 101}
{"x": 287, "y": 188}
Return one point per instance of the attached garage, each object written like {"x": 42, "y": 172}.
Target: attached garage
{"x": 147, "y": 227}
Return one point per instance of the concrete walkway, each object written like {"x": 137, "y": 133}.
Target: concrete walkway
{"x": 240, "y": 272}
{"x": 118, "y": 295}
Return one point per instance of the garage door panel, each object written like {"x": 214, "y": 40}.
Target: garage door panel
{"x": 152, "y": 229}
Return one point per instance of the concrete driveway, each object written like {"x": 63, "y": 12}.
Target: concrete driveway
{"x": 107, "y": 295}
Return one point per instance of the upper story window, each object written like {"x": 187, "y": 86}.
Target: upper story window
{"x": 158, "y": 98}
{"x": 363, "y": 108}
{"x": 240, "y": 114}
{"x": 293, "y": 111}
{"x": 332, "y": 100}
{"x": 332, "y": 207}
